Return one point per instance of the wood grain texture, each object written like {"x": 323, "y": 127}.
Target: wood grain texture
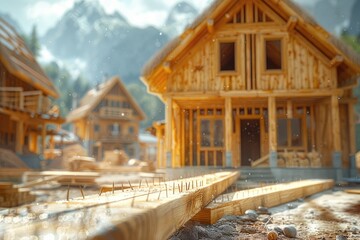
{"x": 152, "y": 212}
{"x": 268, "y": 196}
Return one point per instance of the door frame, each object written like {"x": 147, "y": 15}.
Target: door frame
{"x": 238, "y": 134}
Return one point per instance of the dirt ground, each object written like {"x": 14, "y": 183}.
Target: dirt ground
{"x": 333, "y": 214}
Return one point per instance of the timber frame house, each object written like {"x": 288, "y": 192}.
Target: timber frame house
{"x": 108, "y": 119}
{"x": 252, "y": 82}
{"x": 25, "y": 97}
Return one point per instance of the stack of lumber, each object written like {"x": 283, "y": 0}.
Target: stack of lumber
{"x": 238, "y": 202}
{"x": 115, "y": 158}
{"x": 147, "y": 212}
{"x": 12, "y": 197}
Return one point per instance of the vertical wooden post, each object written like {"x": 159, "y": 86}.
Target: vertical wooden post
{"x": 43, "y": 137}
{"x": 160, "y": 146}
{"x": 352, "y": 160}
{"x": 335, "y": 123}
{"x": 336, "y": 158}
{"x": 352, "y": 129}
{"x": 272, "y": 131}
{"x": 168, "y": 131}
{"x": 19, "y": 137}
{"x": 228, "y": 132}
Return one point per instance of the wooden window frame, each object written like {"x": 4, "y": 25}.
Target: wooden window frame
{"x": 282, "y": 38}
{"x": 236, "y": 54}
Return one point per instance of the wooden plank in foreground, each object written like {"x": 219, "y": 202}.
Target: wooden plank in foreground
{"x": 238, "y": 202}
{"x": 148, "y": 212}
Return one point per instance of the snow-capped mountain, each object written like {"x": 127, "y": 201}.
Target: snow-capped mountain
{"x": 179, "y": 17}
{"x": 106, "y": 43}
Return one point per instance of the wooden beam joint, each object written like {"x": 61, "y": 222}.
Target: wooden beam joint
{"x": 336, "y": 61}
{"x": 167, "y": 67}
{"x": 210, "y": 25}
{"x": 291, "y": 24}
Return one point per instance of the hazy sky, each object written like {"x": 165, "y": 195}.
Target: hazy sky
{"x": 45, "y": 13}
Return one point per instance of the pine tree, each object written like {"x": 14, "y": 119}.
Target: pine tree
{"x": 33, "y": 43}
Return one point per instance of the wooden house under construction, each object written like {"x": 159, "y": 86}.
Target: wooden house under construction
{"x": 108, "y": 119}
{"x": 254, "y": 82}
{"x": 25, "y": 97}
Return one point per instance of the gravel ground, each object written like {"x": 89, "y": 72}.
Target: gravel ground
{"x": 333, "y": 214}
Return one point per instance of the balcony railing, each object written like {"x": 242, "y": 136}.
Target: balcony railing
{"x": 30, "y": 101}
{"x": 113, "y": 112}
{"x": 118, "y": 138}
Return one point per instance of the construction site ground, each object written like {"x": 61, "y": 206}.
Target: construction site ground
{"x": 333, "y": 214}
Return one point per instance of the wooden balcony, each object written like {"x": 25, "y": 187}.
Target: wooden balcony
{"x": 28, "y": 101}
{"x": 116, "y": 113}
{"x": 129, "y": 138}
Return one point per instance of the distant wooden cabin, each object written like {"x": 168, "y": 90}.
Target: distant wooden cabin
{"x": 25, "y": 96}
{"x": 253, "y": 82}
{"x": 108, "y": 119}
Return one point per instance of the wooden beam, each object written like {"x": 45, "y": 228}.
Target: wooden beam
{"x": 272, "y": 124}
{"x": 335, "y": 118}
{"x": 336, "y": 61}
{"x": 19, "y": 137}
{"x": 147, "y": 212}
{"x": 228, "y": 126}
{"x": 168, "y": 126}
{"x": 210, "y": 25}
{"x": 167, "y": 67}
{"x": 291, "y": 24}
{"x": 238, "y": 202}
{"x": 352, "y": 136}
{"x": 43, "y": 138}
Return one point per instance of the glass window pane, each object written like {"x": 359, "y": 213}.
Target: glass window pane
{"x": 296, "y": 138}
{"x": 282, "y": 132}
{"x": 227, "y": 56}
{"x": 273, "y": 54}
{"x": 205, "y": 133}
{"x": 219, "y": 158}
{"x": 211, "y": 161}
{"x": 218, "y": 133}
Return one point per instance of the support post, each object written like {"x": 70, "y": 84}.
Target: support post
{"x": 272, "y": 132}
{"x": 352, "y": 160}
{"x": 43, "y": 137}
{"x": 168, "y": 131}
{"x": 19, "y": 137}
{"x": 228, "y": 132}
{"x": 336, "y": 157}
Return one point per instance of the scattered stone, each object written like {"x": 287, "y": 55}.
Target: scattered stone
{"x": 227, "y": 229}
{"x": 263, "y": 210}
{"x": 341, "y": 237}
{"x": 229, "y": 218}
{"x": 278, "y": 230}
{"x": 266, "y": 220}
{"x": 202, "y": 232}
{"x": 251, "y": 213}
{"x": 188, "y": 233}
{"x": 290, "y": 231}
{"x": 272, "y": 235}
{"x": 300, "y": 200}
{"x": 248, "y": 218}
{"x": 291, "y": 206}
{"x": 354, "y": 229}
{"x": 248, "y": 229}
{"x": 212, "y": 234}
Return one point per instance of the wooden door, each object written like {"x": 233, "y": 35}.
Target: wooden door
{"x": 249, "y": 141}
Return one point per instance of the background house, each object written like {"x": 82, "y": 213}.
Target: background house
{"x": 108, "y": 119}
{"x": 26, "y": 110}
{"x": 252, "y": 81}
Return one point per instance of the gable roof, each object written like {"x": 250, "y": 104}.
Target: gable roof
{"x": 284, "y": 8}
{"x": 20, "y": 62}
{"x": 94, "y": 96}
